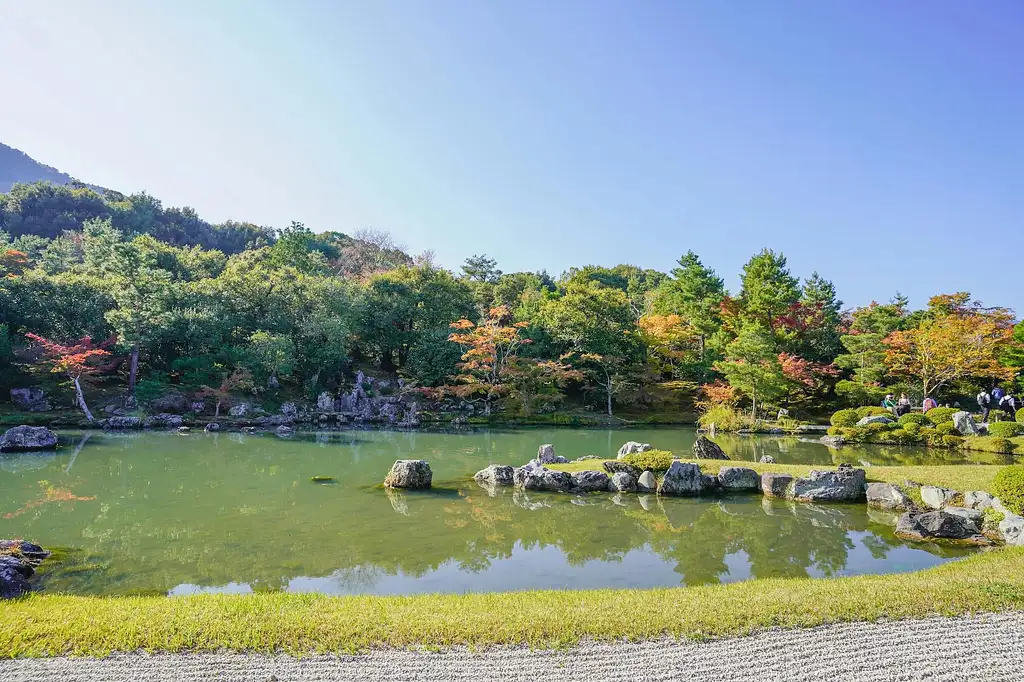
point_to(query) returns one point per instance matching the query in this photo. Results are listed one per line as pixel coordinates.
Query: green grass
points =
(963, 477)
(48, 625)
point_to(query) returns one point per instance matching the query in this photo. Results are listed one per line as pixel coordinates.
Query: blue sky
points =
(879, 143)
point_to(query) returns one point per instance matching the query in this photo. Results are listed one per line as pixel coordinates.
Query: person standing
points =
(985, 403)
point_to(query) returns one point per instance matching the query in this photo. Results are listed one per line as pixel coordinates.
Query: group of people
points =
(997, 399)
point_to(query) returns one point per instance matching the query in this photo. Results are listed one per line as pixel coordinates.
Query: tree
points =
(238, 380)
(695, 293)
(864, 358)
(958, 339)
(595, 325)
(752, 365)
(768, 292)
(532, 381)
(76, 361)
(272, 354)
(819, 341)
(480, 268)
(488, 348)
(670, 341)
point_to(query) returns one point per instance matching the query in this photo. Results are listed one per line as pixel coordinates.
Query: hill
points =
(17, 166)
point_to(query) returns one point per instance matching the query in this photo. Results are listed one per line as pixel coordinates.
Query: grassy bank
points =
(47, 625)
(961, 477)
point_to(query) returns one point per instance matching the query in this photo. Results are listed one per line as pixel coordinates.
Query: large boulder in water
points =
(121, 423)
(683, 479)
(622, 483)
(22, 438)
(776, 484)
(542, 478)
(738, 479)
(845, 484)
(18, 560)
(30, 400)
(632, 447)
(964, 423)
(705, 448)
(646, 483)
(495, 475)
(590, 481)
(409, 473)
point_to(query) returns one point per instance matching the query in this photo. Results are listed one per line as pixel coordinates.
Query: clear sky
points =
(880, 143)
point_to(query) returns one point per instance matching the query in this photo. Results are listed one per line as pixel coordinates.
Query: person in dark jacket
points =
(985, 403)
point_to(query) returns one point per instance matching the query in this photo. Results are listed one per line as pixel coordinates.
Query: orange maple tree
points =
(76, 361)
(488, 348)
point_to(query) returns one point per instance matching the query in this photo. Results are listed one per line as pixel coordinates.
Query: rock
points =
(275, 420)
(172, 402)
(184, 429)
(29, 552)
(409, 473)
(240, 410)
(164, 419)
(584, 458)
(711, 483)
(776, 485)
(212, 427)
(737, 479)
(935, 524)
(622, 483)
(561, 460)
(964, 423)
(12, 583)
(121, 423)
(682, 479)
(974, 515)
(197, 407)
(30, 400)
(704, 448)
(285, 431)
(495, 474)
(541, 478)
(888, 497)
(22, 438)
(978, 499)
(1011, 528)
(767, 459)
(18, 560)
(289, 409)
(614, 466)
(875, 419)
(646, 483)
(845, 484)
(936, 497)
(16, 564)
(632, 447)
(325, 402)
(590, 481)
(832, 441)
(546, 454)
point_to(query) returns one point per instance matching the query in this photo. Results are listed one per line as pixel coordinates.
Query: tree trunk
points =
(753, 407)
(81, 401)
(133, 370)
(216, 411)
(608, 391)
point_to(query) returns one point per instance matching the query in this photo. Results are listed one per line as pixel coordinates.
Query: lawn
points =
(48, 625)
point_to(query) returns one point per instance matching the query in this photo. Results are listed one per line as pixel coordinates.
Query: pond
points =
(175, 514)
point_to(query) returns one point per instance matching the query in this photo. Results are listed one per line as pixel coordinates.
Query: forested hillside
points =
(168, 299)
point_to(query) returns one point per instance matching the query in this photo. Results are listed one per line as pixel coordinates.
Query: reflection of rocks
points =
(704, 448)
(26, 461)
(23, 438)
(409, 473)
(212, 427)
(521, 499)
(886, 496)
(397, 500)
(648, 502)
(882, 517)
(632, 447)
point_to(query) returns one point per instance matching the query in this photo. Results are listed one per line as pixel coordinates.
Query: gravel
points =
(979, 649)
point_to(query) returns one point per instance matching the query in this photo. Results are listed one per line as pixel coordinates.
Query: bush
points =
(913, 418)
(724, 418)
(871, 411)
(904, 437)
(911, 427)
(1020, 416)
(848, 417)
(946, 428)
(1008, 486)
(878, 427)
(655, 460)
(941, 415)
(990, 444)
(1005, 429)
(952, 441)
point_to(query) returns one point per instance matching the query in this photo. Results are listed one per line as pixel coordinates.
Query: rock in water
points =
(646, 483)
(12, 583)
(682, 479)
(936, 497)
(409, 473)
(875, 419)
(546, 454)
(737, 479)
(212, 427)
(121, 423)
(622, 483)
(540, 478)
(776, 485)
(887, 497)
(284, 431)
(18, 560)
(767, 459)
(30, 400)
(704, 448)
(614, 466)
(590, 481)
(22, 438)
(935, 524)
(845, 484)
(632, 447)
(965, 424)
(495, 474)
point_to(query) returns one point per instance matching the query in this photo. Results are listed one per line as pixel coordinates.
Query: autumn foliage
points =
(77, 360)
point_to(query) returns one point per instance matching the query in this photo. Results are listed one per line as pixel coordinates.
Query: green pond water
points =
(176, 514)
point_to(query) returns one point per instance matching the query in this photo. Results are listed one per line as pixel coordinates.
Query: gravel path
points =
(978, 649)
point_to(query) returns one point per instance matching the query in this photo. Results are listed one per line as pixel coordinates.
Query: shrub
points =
(724, 418)
(941, 415)
(1006, 429)
(1020, 416)
(913, 418)
(655, 460)
(1008, 486)
(878, 427)
(871, 411)
(912, 428)
(903, 437)
(848, 417)
(952, 441)
(991, 444)
(946, 428)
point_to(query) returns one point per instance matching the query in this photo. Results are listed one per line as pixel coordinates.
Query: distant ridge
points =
(17, 166)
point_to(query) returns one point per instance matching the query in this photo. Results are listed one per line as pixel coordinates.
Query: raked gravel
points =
(975, 649)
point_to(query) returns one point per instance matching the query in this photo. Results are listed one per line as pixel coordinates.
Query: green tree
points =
(695, 293)
(864, 356)
(753, 366)
(819, 339)
(768, 290)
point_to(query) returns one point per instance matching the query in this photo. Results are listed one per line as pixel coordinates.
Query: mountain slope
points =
(17, 166)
